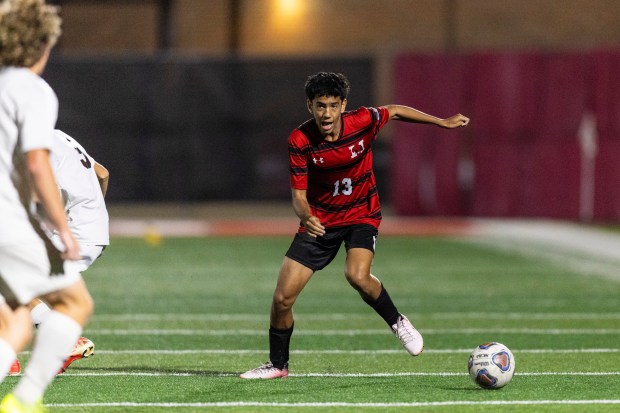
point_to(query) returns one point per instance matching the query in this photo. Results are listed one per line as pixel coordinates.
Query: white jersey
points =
(80, 189)
(28, 112)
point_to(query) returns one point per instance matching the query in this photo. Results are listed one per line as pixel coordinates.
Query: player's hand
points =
(313, 227)
(456, 121)
(72, 249)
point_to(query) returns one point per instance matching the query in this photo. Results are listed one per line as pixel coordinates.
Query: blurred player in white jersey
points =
(30, 266)
(83, 183)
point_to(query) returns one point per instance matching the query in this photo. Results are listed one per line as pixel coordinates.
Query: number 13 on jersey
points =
(344, 187)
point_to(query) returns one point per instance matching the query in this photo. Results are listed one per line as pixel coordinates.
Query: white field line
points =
(352, 352)
(343, 316)
(361, 352)
(350, 332)
(345, 404)
(335, 375)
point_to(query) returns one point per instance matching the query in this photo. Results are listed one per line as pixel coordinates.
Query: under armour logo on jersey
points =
(359, 147)
(320, 160)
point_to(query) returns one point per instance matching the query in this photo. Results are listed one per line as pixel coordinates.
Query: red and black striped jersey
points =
(338, 176)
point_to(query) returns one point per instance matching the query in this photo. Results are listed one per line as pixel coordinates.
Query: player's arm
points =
(46, 191)
(302, 209)
(408, 114)
(103, 175)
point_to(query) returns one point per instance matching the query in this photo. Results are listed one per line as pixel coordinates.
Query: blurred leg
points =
(71, 308)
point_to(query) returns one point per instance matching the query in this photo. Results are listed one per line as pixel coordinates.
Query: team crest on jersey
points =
(356, 149)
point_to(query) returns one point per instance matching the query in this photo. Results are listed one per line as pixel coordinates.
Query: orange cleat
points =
(15, 369)
(83, 348)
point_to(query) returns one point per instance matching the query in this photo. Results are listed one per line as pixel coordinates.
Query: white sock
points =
(54, 341)
(39, 313)
(7, 357)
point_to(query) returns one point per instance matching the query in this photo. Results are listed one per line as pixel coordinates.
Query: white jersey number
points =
(347, 187)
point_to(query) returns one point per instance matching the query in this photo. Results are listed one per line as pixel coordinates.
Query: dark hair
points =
(327, 84)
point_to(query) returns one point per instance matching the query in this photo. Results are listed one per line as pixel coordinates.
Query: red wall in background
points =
(523, 152)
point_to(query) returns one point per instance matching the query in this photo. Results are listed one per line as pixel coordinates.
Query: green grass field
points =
(175, 324)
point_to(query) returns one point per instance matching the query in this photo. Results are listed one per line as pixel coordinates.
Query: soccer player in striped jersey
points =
(335, 196)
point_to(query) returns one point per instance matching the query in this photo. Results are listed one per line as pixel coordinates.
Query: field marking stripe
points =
(352, 332)
(344, 316)
(341, 404)
(387, 374)
(369, 351)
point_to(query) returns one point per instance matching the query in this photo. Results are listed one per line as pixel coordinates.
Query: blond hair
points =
(27, 29)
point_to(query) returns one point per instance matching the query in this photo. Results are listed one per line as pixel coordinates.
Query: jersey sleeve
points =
(298, 165)
(38, 118)
(380, 116)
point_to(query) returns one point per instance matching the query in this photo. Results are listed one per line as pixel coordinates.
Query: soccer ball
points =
(491, 365)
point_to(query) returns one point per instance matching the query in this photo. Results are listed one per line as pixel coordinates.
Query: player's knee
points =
(358, 279)
(281, 302)
(74, 301)
(80, 307)
(80, 299)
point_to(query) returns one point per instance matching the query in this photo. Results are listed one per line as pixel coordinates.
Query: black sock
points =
(384, 306)
(278, 346)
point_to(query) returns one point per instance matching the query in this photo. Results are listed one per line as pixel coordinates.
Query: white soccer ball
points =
(491, 365)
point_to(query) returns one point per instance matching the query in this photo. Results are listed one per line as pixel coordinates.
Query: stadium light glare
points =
(288, 8)
(286, 14)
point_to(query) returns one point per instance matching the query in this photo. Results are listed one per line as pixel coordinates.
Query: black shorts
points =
(317, 253)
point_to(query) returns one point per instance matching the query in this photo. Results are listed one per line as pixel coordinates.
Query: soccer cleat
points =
(83, 348)
(408, 336)
(15, 369)
(11, 404)
(266, 371)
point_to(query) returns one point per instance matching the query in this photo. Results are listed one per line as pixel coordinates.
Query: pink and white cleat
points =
(266, 371)
(408, 336)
